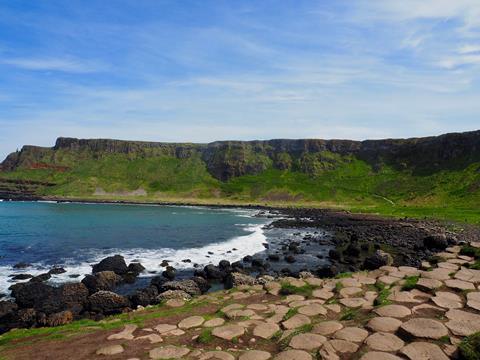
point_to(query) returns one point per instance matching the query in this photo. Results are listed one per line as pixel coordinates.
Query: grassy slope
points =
(331, 181)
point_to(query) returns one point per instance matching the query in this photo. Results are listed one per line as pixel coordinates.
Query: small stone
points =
(307, 341)
(424, 328)
(335, 308)
(214, 322)
(447, 265)
(175, 303)
(110, 350)
(350, 291)
(327, 327)
(153, 338)
(377, 355)
(163, 328)
(228, 332)
(437, 274)
(255, 355)
(423, 351)
(169, 352)
(447, 300)
(459, 284)
(396, 311)
(266, 330)
(428, 284)
(125, 334)
(384, 342)
(354, 334)
(216, 355)
(353, 302)
(296, 321)
(384, 324)
(473, 300)
(293, 355)
(312, 310)
(387, 280)
(462, 323)
(343, 346)
(323, 294)
(191, 322)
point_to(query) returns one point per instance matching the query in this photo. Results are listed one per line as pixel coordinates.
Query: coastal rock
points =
(202, 284)
(60, 318)
(169, 273)
(188, 286)
(377, 260)
(135, 268)
(173, 294)
(435, 242)
(235, 279)
(144, 297)
(114, 263)
(73, 297)
(107, 302)
(103, 280)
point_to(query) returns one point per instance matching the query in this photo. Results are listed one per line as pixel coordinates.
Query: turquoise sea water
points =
(75, 236)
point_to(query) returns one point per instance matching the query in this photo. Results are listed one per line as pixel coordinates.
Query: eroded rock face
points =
(104, 280)
(107, 302)
(235, 279)
(188, 286)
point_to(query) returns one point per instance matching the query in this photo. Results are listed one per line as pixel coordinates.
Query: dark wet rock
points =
(41, 277)
(258, 263)
(334, 254)
(169, 273)
(202, 284)
(74, 276)
(21, 265)
(290, 259)
(200, 273)
(213, 272)
(26, 317)
(187, 261)
(37, 295)
(352, 250)
(237, 265)
(173, 294)
(273, 257)
(224, 264)
(135, 268)
(247, 258)
(103, 280)
(158, 281)
(60, 318)
(188, 286)
(21, 277)
(379, 259)
(73, 296)
(7, 307)
(144, 297)
(437, 241)
(114, 263)
(164, 263)
(327, 271)
(107, 302)
(57, 271)
(235, 279)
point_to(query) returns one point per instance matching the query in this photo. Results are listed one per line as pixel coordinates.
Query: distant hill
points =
(437, 172)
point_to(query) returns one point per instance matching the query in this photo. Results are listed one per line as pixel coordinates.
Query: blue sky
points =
(214, 70)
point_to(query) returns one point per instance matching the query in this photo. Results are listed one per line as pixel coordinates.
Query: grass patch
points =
(344, 275)
(302, 329)
(288, 289)
(382, 298)
(205, 336)
(410, 283)
(338, 287)
(290, 313)
(470, 251)
(470, 347)
(349, 314)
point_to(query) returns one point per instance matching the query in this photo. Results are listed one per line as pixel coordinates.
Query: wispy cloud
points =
(54, 64)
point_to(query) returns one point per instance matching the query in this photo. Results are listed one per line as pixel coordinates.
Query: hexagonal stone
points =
(266, 330)
(387, 280)
(447, 265)
(343, 346)
(214, 322)
(462, 323)
(384, 342)
(255, 355)
(424, 328)
(459, 284)
(312, 310)
(257, 307)
(350, 282)
(447, 300)
(294, 297)
(191, 322)
(296, 321)
(423, 351)
(164, 328)
(395, 311)
(353, 302)
(473, 300)
(231, 307)
(354, 334)
(428, 284)
(384, 324)
(327, 327)
(293, 355)
(307, 341)
(470, 275)
(228, 332)
(323, 294)
(110, 350)
(168, 352)
(377, 355)
(125, 334)
(239, 313)
(437, 274)
(216, 355)
(335, 308)
(350, 291)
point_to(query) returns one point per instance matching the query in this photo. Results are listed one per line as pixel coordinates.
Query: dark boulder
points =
(135, 268)
(202, 284)
(334, 254)
(41, 277)
(169, 273)
(258, 263)
(158, 281)
(114, 263)
(247, 258)
(273, 257)
(22, 277)
(73, 297)
(213, 272)
(103, 280)
(57, 271)
(108, 303)
(377, 260)
(188, 286)
(436, 242)
(21, 265)
(224, 264)
(144, 297)
(60, 318)
(37, 295)
(290, 259)
(327, 271)
(236, 279)
(352, 250)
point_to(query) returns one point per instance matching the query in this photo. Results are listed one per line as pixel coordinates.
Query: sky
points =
(200, 71)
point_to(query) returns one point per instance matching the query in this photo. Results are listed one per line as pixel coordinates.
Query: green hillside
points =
(254, 175)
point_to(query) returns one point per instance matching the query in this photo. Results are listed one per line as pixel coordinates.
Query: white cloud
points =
(469, 48)
(53, 64)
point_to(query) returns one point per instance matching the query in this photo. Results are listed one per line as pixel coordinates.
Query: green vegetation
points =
(383, 294)
(290, 313)
(205, 336)
(349, 314)
(256, 176)
(410, 283)
(470, 347)
(305, 290)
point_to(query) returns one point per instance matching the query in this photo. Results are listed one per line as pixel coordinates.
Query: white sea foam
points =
(151, 258)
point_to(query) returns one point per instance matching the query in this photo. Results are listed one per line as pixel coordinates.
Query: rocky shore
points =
(355, 242)
(391, 313)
